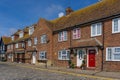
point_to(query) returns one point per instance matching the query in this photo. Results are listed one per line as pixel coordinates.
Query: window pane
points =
(78, 33)
(43, 38)
(117, 49)
(116, 56)
(74, 34)
(68, 54)
(35, 40)
(115, 25)
(99, 28)
(59, 55)
(109, 56)
(65, 35)
(29, 42)
(42, 55)
(93, 30)
(59, 36)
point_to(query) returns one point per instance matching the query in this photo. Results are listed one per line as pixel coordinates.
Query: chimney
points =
(68, 10)
(100, 0)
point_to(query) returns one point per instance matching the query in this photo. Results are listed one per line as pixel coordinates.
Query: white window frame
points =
(62, 36)
(43, 38)
(23, 45)
(29, 43)
(16, 45)
(61, 55)
(112, 53)
(12, 37)
(31, 30)
(76, 32)
(96, 29)
(8, 47)
(35, 41)
(113, 25)
(42, 55)
(21, 34)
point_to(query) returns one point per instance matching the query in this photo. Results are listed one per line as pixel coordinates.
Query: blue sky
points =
(16, 14)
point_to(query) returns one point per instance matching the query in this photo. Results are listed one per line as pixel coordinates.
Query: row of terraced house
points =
(88, 38)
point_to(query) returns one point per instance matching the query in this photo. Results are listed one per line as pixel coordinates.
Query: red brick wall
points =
(42, 29)
(111, 40)
(57, 46)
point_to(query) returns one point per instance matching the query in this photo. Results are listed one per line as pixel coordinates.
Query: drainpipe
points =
(70, 47)
(102, 48)
(70, 39)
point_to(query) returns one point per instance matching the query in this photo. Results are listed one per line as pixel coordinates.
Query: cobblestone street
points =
(11, 72)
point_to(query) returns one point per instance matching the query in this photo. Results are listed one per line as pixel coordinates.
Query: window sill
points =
(63, 59)
(63, 41)
(112, 60)
(44, 43)
(115, 32)
(96, 35)
(77, 39)
(43, 59)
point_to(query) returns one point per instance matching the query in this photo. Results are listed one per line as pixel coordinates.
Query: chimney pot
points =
(68, 10)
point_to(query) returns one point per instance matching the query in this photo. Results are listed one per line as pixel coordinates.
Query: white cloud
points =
(61, 14)
(54, 9)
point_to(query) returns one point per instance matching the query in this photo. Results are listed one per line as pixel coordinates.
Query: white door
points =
(80, 57)
(12, 57)
(34, 57)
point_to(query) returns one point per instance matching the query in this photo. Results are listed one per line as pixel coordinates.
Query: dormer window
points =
(31, 30)
(21, 34)
(12, 38)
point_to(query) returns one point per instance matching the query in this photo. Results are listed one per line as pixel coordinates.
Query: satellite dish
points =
(60, 14)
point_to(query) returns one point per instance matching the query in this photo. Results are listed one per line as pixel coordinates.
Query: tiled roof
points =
(26, 36)
(26, 29)
(6, 40)
(23, 38)
(96, 11)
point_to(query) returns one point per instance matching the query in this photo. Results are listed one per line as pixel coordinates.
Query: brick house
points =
(89, 35)
(42, 42)
(87, 38)
(18, 46)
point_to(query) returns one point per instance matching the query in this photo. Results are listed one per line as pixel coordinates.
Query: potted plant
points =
(83, 65)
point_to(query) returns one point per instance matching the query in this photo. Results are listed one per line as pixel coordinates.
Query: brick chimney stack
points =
(68, 10)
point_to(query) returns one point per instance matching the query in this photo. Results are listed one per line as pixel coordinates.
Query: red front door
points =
(91, 59)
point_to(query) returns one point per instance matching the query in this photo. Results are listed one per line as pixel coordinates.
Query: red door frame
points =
(91, 57)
